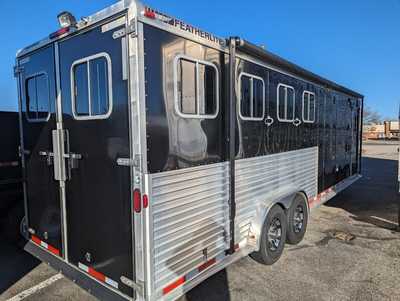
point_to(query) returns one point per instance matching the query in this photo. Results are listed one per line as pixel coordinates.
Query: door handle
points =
(73, 156)
(49, 156)
(73, 160)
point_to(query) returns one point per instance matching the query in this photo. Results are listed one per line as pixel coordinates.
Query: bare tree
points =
(371, 117)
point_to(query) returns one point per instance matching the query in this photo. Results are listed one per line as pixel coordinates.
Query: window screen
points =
(286, 103)
(91, 87)
(37, 97)
(252, 97)
(308, 107)
(196, 88)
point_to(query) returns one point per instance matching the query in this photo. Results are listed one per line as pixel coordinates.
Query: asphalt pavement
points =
(325, 266)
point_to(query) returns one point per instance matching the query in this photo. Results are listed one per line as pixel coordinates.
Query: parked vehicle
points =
(11, 192)
(156, 153)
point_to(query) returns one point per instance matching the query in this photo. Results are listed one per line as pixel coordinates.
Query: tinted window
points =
(196, 88)
(308, 106)
(81, 90)
(252, 100)
(37, 97)
(207, 80)
(92, 88)
(286, 100)
(99, 86)
(282, 102)
(258, 98)
(187, 83)
(245, 101)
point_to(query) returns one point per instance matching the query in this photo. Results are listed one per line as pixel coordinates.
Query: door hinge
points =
(129, 30)
(138, 286)
(18, 70)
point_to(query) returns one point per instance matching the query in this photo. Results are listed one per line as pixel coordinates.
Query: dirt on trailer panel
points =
(351, 252)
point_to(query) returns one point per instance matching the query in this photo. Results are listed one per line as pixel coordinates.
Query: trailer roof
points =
(263, 54)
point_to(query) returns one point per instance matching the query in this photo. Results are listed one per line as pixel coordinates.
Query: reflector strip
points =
(191, 274)
(207, 264)
(173, 285)
(41, 243)
(97, 275)
(319, 197)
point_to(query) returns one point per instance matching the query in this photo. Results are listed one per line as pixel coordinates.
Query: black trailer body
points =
(155, 152)
(11, 191)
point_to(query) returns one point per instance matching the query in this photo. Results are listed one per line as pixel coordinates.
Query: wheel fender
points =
(284, 199)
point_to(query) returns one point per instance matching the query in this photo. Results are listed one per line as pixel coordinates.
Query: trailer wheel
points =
(297, 220)
(273, 237)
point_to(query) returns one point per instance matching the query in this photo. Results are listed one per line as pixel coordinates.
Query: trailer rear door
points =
(38, 118)
(96, 122)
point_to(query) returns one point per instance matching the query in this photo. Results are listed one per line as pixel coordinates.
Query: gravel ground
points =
(322, 267)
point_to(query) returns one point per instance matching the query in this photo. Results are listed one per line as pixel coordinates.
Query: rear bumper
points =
(91, 285)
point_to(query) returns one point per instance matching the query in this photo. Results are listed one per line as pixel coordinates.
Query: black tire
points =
(270, 249)
(297, 219)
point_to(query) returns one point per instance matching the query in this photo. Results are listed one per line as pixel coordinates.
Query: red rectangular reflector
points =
(97, 275)
(206, 264)
(145, 201)
(53, 250)
(137, 206)
(36, 239)
(173, 285)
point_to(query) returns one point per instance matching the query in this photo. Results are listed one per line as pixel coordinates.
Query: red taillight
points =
(145, 201)
(137, 201)
(59, 32)
(149, 14)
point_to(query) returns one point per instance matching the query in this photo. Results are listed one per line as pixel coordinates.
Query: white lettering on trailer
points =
(36, 288)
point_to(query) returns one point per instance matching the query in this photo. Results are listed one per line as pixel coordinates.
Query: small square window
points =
(308, 107)
(286, 103)
(91, 87)
(196, 88)
(252, 97)
(37, 97)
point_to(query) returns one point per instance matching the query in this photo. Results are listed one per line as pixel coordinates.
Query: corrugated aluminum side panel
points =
(260, 178)
(190, 218)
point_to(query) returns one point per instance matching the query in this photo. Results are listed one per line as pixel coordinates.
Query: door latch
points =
(49, 156)
(73, 159)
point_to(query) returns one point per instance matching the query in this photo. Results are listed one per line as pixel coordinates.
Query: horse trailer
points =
(155, 154)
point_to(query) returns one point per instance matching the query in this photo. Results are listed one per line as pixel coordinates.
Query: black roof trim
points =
(263, 54)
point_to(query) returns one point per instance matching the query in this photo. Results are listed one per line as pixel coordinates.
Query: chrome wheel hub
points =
(298, 219)
(274, 234)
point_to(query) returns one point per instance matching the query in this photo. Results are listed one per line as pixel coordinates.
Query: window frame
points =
(277, 102)
(34, 75)
(110, 92)
(302, 107)
(176, 88)
(251, 76)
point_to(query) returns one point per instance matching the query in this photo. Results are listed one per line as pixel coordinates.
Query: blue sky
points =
(355, 43)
